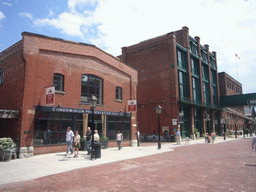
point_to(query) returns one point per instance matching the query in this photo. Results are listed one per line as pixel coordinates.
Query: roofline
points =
(75, 42)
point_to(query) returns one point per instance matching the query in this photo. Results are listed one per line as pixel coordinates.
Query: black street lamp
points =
(93, 103)
(224, 126)
(159, 111)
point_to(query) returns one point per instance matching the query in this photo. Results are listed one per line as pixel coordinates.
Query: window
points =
(204, 56)
(119, 93)
(194, 66)
(214, 95)
(91, 85)
(196, 89)
(183, 84)
(1, 76)
(205, 72)
(58, 82)
(193, 48)
(206, 93)
(214, 78)
(213, 63)
(181, 55)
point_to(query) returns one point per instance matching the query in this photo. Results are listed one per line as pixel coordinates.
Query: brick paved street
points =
(229, 166)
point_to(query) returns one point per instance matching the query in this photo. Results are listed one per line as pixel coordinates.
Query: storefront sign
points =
(83, 111)
(251, 101)
(50, 95)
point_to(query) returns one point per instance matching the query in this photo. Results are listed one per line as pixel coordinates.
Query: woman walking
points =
(76, 144)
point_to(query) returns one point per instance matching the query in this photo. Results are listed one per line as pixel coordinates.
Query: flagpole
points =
(236, 68)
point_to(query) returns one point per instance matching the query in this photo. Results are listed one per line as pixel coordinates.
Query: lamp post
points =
(93, 103)
(158, 111)
(224, 126)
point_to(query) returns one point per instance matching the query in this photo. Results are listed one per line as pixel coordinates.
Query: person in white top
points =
(96, 136)
(119, 138)
(77, 144)
(69, 139)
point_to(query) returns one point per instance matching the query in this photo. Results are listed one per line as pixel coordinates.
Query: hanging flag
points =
(237, 56)
(50, 95)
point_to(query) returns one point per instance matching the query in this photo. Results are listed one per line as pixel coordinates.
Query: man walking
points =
(88, 140)
(178, 136)
(69, 139)
(254, 142)
(138, 137)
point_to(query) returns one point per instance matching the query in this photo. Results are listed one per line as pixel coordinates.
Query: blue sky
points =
(227, 26)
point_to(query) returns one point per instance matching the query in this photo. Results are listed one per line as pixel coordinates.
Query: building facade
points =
(180, 74)
(77, 71)
(234, 116)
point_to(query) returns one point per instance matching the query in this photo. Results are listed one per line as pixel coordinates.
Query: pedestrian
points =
(138, 137)
(119, 138)
(187, 138)
(69, 139)
(213, 135)
(254, 142)
(178, 136)
(96, 136)
(208, 138)
(88, 140)
(76, 143)
(154, 136)
(205, 138)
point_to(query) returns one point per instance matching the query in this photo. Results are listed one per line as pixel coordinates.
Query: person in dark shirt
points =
(88, 140)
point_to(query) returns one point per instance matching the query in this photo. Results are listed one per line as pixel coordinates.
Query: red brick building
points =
(234, 115)
(180, 74)
(77, 71)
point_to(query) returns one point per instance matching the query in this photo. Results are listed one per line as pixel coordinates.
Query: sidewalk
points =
(48, 164)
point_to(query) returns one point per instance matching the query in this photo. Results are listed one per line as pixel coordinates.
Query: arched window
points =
(91, 85)
(58, 81)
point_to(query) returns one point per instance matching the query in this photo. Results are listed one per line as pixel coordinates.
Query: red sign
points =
(50, 95)
(132, 106)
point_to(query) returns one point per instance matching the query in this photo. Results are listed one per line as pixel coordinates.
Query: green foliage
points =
(83, 139)
(103, 139)
(7, 143)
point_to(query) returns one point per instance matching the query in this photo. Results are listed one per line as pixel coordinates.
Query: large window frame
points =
(91, 85)
(183, 85)
(58, 81)
(181, 59)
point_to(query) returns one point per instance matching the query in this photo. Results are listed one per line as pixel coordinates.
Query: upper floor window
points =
(181, 59)
(1, 76)
(213, 62)
(193, 48)
(194, 66)
(91, 85)
(204, 56)
(205, 72)
(58, 82)
(119, 93)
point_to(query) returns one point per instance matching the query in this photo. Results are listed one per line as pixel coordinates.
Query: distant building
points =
(77, 71)
(181, 75)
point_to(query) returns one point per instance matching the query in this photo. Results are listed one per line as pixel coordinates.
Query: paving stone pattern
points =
(229, 166)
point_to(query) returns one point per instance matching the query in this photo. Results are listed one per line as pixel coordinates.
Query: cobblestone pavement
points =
(229, 166)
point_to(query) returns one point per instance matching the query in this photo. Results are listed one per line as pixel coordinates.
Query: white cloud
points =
(74, 3)
(51, 13)
(5, 3)
(29, 15)
(2, 16)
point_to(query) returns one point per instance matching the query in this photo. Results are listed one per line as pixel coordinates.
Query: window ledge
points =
(60, 92)
(119, 101)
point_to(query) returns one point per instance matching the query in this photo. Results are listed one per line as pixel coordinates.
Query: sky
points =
(227, 26)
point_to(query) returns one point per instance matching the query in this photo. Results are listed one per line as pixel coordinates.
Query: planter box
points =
(6, 155)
